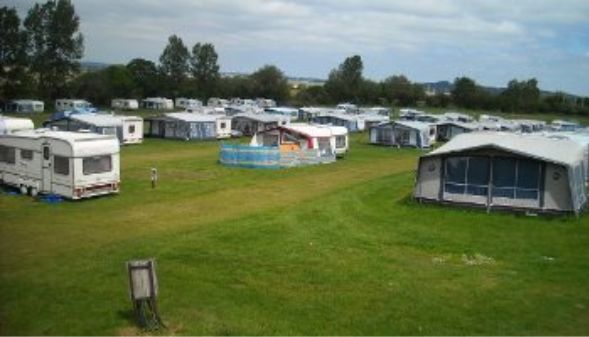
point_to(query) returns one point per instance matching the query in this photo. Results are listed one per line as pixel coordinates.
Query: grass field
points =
(336, 249)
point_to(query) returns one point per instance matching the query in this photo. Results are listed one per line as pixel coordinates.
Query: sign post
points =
(153, 177)
(143, 290)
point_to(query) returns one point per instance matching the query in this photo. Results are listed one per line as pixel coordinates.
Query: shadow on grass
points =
(128, 316)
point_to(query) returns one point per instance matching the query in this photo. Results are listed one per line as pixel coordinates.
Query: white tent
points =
(505, 170)
(402, 133)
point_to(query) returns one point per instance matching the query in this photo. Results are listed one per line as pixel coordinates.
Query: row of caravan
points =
(175, 125)
(150, 103)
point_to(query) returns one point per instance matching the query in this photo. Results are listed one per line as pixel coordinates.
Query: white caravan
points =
(124, 104)
(132, 129)
(70, 164)
(339, 139)
(128, 129)
(217, 102)
(158, 103)
(188, 103)
(10, 125)
(71, 104)
(25, 106)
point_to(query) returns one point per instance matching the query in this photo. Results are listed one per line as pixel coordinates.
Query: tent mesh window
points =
(270, 140)
(466, 175)
(516, 178)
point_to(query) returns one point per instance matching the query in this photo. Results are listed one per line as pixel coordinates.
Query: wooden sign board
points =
(142, 279)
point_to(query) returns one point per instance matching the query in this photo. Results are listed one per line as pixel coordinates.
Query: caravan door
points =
(325, 149)
(46, 169)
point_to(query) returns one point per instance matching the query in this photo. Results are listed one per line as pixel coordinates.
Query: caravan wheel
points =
(34, 192)
(23, 189)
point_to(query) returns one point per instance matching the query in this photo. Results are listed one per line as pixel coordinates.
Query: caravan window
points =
(109, 131)
(97, 164)
(61, 165)
(26, 154)
(7, 155)
(131, 128)
(223, 125)
(340, 141)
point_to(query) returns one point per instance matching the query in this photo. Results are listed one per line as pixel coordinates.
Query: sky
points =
(491, 41)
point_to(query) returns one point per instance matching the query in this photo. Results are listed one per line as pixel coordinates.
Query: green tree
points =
(119, 81)
(174, 62)
(344, 83)
(55, 45)
(439, 100)
(145, 77)
(270, 82)
(557, 103)
(401, 92)
(235, 86)
(102, 86)
(465, 93)
(370, 92)
(13, 79)
(93, 87)
(205, 69)
(312, 95)
(521, 96)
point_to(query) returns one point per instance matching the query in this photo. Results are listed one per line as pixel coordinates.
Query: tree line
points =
(180, 73)
(518, 97)
(40, 57)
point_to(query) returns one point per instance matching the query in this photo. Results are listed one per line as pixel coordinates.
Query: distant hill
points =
(93, 66)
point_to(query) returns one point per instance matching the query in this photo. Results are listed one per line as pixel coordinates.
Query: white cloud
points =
(486, 38)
